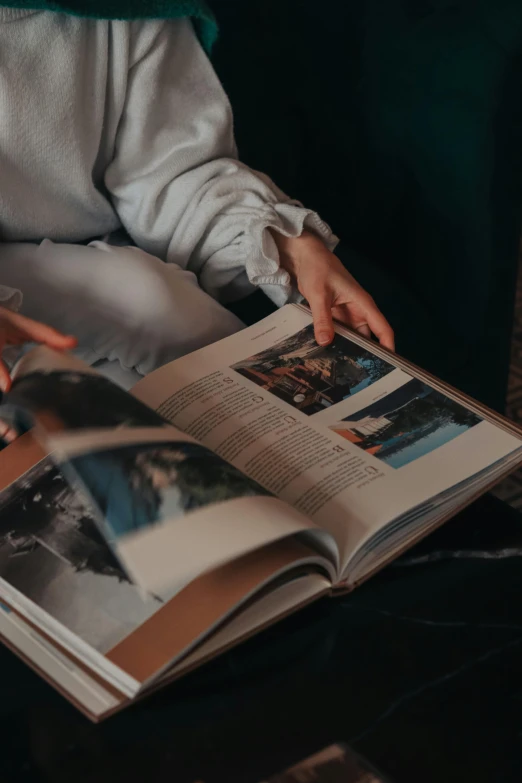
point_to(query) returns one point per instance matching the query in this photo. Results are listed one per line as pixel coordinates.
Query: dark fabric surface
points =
(419, 670)
(511, 489)
(401, 122)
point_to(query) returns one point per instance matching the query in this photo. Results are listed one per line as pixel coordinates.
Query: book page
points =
(58, 572)
(169, 508)
(341, 434)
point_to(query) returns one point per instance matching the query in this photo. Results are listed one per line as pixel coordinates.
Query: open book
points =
(141, 534)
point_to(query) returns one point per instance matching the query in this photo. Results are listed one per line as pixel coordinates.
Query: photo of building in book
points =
(137, 486)
(311, 377)
(406, 424)
(52, 552)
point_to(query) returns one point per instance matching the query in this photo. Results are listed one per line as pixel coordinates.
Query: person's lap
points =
(131, 312)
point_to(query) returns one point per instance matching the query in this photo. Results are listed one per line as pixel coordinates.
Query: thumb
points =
(322, 315)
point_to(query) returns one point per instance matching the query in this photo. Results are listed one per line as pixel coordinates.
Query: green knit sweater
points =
(202, 16)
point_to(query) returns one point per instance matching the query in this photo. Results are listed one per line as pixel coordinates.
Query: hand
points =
(16, 329)
(7, 432)
(330, 290)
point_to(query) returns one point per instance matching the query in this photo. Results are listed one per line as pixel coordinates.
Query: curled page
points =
(169, 508)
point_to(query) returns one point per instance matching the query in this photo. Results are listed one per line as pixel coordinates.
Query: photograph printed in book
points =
(71, 400)
(311, 377)
(52, 552)
(140, 485)
(406, 424)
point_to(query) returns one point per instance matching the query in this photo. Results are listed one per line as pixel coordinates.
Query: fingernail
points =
(323, 338)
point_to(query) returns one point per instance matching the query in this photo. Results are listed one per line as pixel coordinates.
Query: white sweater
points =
(110, 125)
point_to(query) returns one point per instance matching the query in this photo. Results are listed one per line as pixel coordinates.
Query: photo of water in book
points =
(406, 424)
(140, 485)
(51, 551)
(311, 377)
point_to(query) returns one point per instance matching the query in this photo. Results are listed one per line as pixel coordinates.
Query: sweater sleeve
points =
(175, 180)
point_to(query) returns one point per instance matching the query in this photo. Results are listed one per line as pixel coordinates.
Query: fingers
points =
(367, 321)
(364, 330)
(5, 376)
(61, 342)
(322, 315)
(361, 312)
(7, 433)
(381, 328)
(16, 329)
(22, 329)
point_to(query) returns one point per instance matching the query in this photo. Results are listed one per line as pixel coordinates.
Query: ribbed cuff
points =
(263, 268)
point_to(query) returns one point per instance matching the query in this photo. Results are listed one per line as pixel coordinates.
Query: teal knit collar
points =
(202, 16)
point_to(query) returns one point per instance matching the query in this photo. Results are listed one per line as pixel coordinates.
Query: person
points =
(128, 221)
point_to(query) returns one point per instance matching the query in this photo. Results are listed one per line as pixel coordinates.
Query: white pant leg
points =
(117, 374)
(121, 303)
